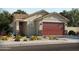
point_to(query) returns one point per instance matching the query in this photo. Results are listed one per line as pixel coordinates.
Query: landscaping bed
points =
(14, 41)
(24, 38)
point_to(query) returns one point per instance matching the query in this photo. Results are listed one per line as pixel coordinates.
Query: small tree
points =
(5, 20)
(73, 16)
(19, 12)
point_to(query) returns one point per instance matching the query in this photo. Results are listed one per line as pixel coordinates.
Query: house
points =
(40, 23)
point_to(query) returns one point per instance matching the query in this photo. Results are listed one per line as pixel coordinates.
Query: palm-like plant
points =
(73, 16)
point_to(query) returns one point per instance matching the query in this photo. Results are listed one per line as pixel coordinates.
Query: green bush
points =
(71, 32)
(25, 40)
(18, 37)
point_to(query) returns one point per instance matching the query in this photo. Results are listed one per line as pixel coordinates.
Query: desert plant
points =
(34, 38)
(55, 38)
(17, 38)
(4, 38)
(52, 37)
(25, 40)
(9, 35)
(38, 38)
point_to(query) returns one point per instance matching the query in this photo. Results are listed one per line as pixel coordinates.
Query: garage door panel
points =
(53, 28)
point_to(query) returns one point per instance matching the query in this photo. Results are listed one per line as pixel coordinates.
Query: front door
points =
(22, 28)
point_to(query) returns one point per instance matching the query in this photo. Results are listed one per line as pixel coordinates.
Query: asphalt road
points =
(49, 47)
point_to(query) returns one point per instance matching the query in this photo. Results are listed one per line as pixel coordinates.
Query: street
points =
(49, 47)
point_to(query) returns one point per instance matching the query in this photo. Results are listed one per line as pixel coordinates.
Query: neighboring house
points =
(40, 23)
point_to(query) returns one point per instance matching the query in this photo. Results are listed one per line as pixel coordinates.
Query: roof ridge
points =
(38, 12)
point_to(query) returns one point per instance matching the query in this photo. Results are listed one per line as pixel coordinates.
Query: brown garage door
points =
(51, 28)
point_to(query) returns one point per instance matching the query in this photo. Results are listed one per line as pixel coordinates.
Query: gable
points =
(33, 17)
(52, 19)
(55, 17)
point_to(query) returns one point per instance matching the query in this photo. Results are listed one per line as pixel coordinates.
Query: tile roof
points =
(20, 16)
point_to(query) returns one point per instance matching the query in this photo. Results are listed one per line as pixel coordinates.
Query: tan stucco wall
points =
(76, 29)
(31, 25)
(51, 19)
(15, 26)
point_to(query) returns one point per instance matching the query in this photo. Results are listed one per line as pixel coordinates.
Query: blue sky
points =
(32, 10)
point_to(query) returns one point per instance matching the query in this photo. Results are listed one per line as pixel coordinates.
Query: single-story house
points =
(40, 23)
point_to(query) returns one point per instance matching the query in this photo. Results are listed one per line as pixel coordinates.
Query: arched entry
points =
(22, 28)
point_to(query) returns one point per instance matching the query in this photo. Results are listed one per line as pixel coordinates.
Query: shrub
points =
(38, 38)
(17, 38)
(4, 38)
(34, 38)
(52, 37)
(55, 38)
(9, 35)
(71, 32)
(25, 40)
